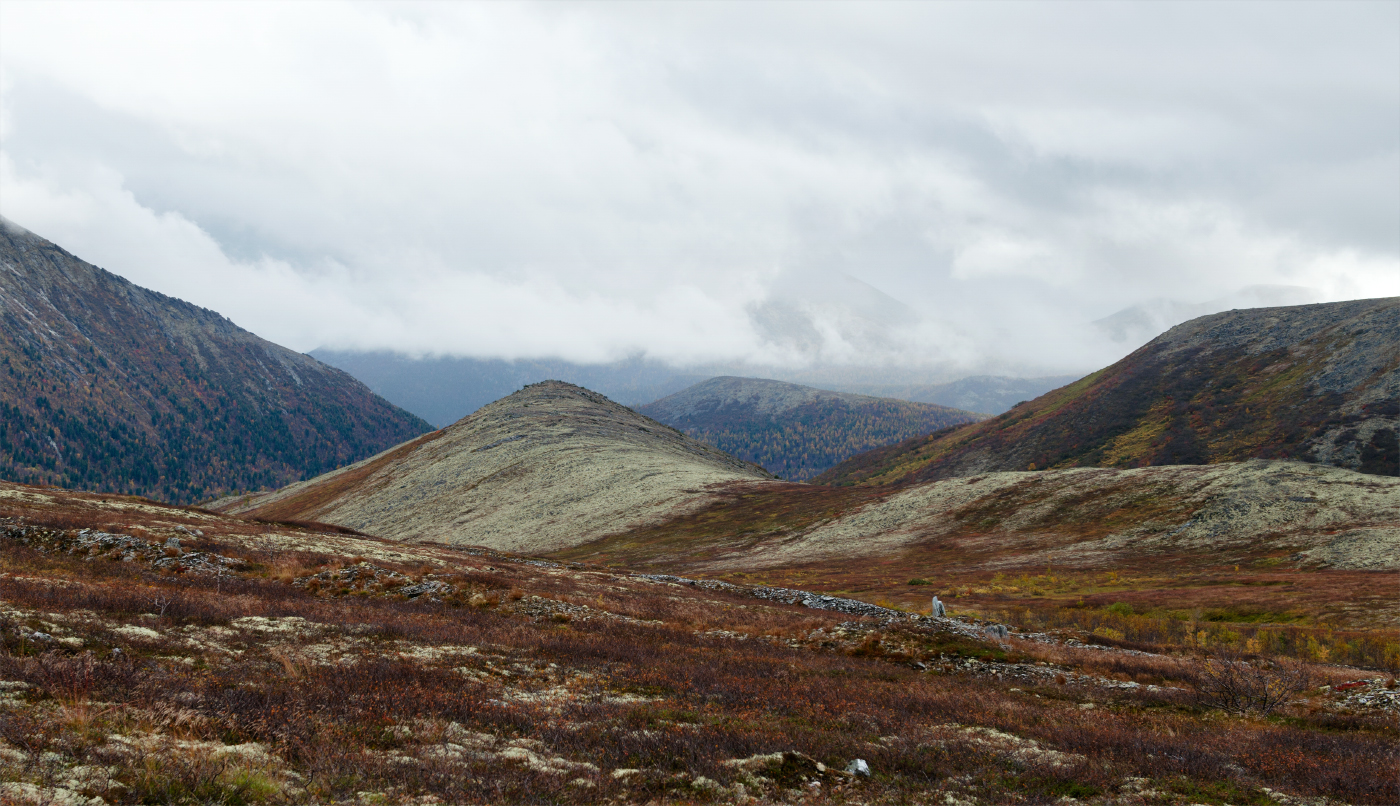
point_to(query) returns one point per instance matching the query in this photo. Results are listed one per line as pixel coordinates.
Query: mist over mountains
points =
(442, 390)
(399, 578)
(1140, 323)
(815, 403)
(821, 324)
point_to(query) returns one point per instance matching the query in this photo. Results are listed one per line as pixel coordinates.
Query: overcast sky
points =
(686, 181)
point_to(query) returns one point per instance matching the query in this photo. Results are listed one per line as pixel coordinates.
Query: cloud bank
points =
(907, 184)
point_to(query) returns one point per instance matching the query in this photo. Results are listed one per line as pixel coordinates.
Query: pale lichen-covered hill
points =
(551, 466)
(1260, 511)
(1094, 517)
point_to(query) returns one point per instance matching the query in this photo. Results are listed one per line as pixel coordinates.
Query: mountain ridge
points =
(116, 387)
(1312, 382)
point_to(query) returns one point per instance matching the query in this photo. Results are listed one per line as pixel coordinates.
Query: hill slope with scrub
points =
(1315, 383)
(109, 386)
(795, 431)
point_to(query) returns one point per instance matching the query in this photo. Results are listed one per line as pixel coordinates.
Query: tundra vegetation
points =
(153, 654)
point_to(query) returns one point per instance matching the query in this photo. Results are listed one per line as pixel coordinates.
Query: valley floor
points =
(164, 655)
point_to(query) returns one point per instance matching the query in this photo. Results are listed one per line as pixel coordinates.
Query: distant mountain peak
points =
(765, 395)
(795, 431)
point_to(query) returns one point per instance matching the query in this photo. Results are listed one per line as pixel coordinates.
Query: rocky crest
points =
(110, 386)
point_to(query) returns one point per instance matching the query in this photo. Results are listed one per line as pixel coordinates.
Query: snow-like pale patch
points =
(294, 625)
(45, 795)
(432, 654)
(11, 693)
(1023, 750)
(24, 496)
(133, 631)
(36, 498)
(454, 743)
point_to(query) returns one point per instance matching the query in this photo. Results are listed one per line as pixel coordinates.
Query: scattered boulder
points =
(858, 767)
(938, 610)
(426, 586)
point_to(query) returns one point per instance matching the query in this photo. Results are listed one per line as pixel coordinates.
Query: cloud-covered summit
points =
(684, 181)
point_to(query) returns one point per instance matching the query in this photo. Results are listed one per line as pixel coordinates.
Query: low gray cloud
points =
(710, 182)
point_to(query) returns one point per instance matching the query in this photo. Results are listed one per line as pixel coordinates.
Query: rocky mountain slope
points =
(1317, 383)
(110, 386)
(795, 431)
(550, 466)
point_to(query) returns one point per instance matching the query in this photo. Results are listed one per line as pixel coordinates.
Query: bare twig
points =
(1229, 682)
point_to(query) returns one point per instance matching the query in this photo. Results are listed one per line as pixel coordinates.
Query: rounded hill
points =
(796, 431)
(1316, 383)
(550, 466)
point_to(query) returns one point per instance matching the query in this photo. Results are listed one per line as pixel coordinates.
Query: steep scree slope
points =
(1317, 383)
(551, 466)
(105, 385)
(795, 431)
